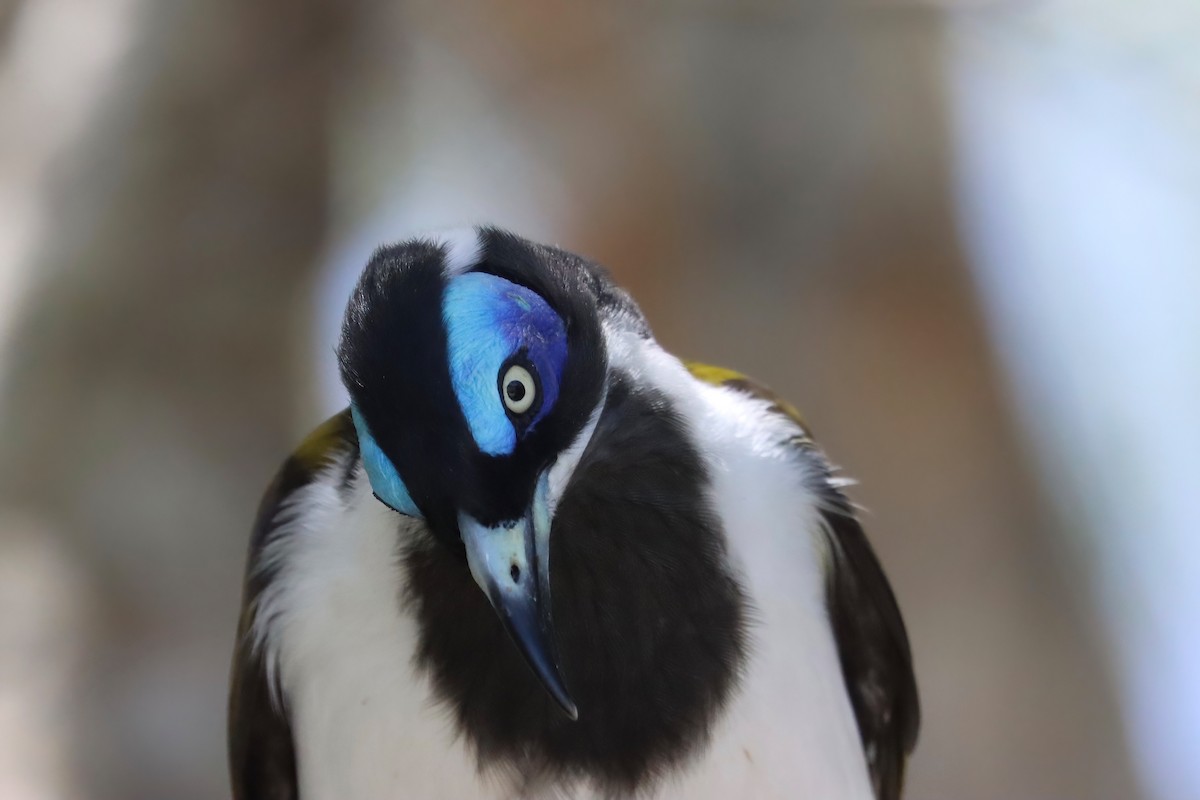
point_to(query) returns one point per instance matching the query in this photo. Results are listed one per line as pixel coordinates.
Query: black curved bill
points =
(510, 562)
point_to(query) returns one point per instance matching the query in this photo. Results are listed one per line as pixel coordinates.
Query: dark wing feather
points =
(873, 646)
(262, 755)
(868, 628)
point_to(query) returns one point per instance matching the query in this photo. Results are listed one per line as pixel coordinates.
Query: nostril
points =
(515, 572)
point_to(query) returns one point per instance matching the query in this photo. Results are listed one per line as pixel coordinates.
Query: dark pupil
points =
(515, 391)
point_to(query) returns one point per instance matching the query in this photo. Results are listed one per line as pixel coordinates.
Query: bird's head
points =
(476, 367)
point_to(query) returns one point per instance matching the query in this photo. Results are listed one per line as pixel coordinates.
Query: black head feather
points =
(395, 364)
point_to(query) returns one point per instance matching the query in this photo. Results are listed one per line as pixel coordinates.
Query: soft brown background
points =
(771, 180)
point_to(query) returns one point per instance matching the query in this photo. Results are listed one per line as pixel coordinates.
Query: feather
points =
(871, 638)
(262, 756)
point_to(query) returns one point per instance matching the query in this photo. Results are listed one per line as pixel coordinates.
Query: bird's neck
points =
(651, 622)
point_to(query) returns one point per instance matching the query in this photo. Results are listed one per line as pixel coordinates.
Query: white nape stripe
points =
(463, 248)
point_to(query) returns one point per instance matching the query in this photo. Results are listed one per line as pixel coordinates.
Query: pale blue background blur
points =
(963, 236)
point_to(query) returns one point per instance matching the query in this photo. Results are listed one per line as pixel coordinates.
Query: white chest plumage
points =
(367, 725)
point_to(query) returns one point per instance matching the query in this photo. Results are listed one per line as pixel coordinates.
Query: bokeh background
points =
(963, 236)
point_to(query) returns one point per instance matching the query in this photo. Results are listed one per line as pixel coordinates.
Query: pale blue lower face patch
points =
(385, 480)
(488, 319)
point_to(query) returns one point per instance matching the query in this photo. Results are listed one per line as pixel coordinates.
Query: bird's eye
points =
(518, 389)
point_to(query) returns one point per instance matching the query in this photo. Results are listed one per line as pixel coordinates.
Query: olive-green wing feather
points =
(262, 754)
(719, 376)
(868, 628)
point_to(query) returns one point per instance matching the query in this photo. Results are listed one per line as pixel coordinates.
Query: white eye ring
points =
(518, 389)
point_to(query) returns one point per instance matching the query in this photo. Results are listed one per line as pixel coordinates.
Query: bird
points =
(538, 556)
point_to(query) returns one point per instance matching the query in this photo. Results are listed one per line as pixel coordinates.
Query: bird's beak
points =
(511, 563)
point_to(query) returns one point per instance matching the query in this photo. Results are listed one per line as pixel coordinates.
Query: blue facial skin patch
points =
(488, 320)
(385, 480)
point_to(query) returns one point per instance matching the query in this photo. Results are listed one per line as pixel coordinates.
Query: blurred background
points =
(963, 236)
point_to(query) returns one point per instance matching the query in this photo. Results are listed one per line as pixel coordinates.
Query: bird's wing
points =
(719, 376)
(871, 640)
(262, 756)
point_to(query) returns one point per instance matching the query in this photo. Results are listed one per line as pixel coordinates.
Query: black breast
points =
(651, 623)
